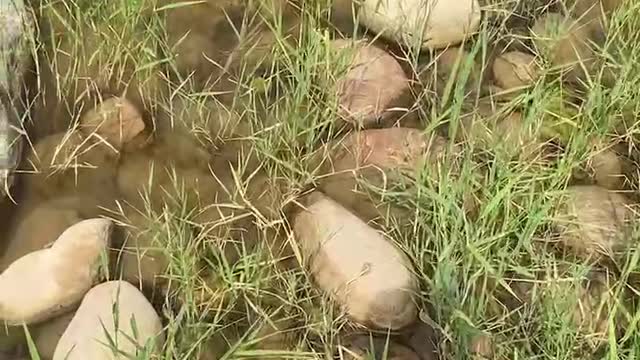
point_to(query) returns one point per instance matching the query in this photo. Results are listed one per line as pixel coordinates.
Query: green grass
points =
(469, 264)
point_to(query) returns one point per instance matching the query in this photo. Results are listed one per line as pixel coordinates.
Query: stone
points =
(114, 120)
(46, 283)
(35, 225)
(114, 312)
(361, 167)
(482, 346)
(515, 70)
(593, 222)
(141, 259)
(449, 66)
(68, 164)
(363, 271)
(38, 228)
(564, 42)
(432, 24)
(372, 89)
(606, 167)
(46, 335)
(361, 347)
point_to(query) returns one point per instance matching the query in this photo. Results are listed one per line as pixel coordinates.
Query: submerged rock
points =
(566, 45)
(47, 334)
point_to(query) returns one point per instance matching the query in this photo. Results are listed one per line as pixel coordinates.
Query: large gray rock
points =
(15, 45)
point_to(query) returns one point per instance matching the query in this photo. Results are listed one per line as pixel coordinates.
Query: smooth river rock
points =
(433, 24)
(373, 87)
(365, 273)
(107, 307)
(46, 283)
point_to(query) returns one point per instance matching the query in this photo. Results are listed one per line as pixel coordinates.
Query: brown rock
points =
(606, 167)
(38, 228)
(565, 43)
(115, 120)
(376, 158)
(70, 165)
(46, 335)
(365, 273)
(593, 222)
(373, 87)
(514, 70)
(361, 347)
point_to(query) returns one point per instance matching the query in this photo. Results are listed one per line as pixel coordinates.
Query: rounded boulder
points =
(111, 313)
(433, 24)
(365, 273)
(48, 282)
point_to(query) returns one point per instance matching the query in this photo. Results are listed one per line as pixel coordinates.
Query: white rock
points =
(45, 283)
(364, 272)
(433, 23)
(85, 336)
